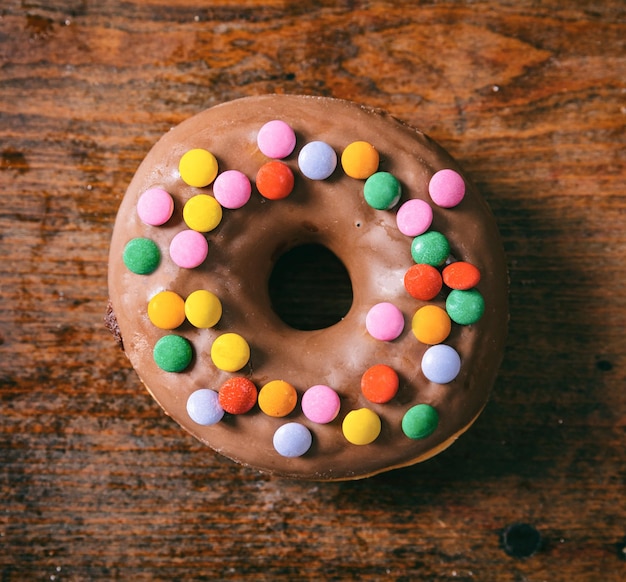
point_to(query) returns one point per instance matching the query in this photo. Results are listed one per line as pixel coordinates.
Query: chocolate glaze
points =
(246, 245)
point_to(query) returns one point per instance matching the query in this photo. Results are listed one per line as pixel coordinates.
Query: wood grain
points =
(97, 484)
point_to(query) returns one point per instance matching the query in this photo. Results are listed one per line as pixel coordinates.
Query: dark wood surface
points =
(97, 484)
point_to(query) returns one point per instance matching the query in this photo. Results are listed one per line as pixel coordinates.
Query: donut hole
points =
(310, 288)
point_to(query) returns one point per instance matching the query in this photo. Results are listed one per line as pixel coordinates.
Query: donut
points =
(213, 208)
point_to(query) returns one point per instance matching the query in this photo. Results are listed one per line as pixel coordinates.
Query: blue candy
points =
(203, 407)
(317, 160)
(441, 364)
(292, 439)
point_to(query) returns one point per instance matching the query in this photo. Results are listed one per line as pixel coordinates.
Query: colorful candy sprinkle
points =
(414, 217)
(166, 310)
(232, 189)
(202, 213)
(197, 168)
(230, 352)
(277, 398)
(292, 440)
(446, 188)
(203, 407)
(320, 404)
(172, 353)
(360, 160)
(379, 383)
(189, 249)
(274, 180)
(203, 309)
(431, 324)
(420, 421)
(237, 395)
(155, 206)
(465, 307)
(441, 364)
(431, 248)
(141, 256)
(361, 427)
(382, 191)
(276, 139)
(317, 160)
(461, 275)
(384, 322)
(423, 282)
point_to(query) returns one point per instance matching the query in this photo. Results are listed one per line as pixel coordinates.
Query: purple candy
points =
(317, 160)
(292, 439)
(441, 364)
(203, 407)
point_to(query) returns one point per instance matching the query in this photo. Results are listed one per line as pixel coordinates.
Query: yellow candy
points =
(202, 213)
(203, 309)
(431, 324)
(361, 427)
(359, 160)
(166, 310)
(198, 168)
(277, 398)
(230, 352)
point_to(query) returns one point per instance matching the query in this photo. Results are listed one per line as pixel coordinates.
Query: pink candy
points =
(414, 217)
(276, 139)
(155, 206)
(384, 322)
(320, 404)
(446, 188)
(232, 189)
(188, 249)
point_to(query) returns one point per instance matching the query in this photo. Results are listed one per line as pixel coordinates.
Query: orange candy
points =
(166, 310)
(431, 324)
(274, 180)
(423, 282)
(277, 398)
(461, 275)
(237, 395)
(379, 384)
(360, 160)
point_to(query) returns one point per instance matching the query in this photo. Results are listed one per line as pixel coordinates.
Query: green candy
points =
(420, 421)
(465, 307)
(172, 353)
(382, 190)
(431, 248)
(141, 256)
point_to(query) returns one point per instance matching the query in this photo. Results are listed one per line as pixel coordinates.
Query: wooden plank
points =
(96, 483)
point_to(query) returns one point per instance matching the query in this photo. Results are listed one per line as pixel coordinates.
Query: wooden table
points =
(98, 484)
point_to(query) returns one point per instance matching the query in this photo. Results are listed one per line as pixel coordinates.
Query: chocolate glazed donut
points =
(242, 252)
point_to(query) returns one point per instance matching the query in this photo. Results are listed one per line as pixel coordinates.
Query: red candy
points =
(461, 275)
(274, 180)
(237, 395)
(379, 384)
(423, 282)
